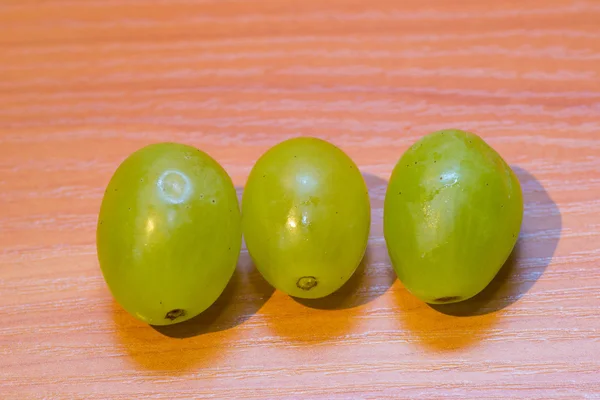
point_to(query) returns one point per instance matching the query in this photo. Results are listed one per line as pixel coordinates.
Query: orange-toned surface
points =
(84, 83)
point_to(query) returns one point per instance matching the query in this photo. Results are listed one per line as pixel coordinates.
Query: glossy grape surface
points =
(169, 233)
(452, 215)
(306, 217)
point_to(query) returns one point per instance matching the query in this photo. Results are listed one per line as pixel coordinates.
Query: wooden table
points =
(85, 83)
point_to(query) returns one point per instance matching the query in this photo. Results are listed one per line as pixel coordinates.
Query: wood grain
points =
(84, 83)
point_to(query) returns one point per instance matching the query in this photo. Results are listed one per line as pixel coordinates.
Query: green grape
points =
(169, 233)
(452, 215)
(306, 217)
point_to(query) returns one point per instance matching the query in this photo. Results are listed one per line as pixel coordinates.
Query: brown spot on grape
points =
(307, 282)
(447, 299)
(174, 314)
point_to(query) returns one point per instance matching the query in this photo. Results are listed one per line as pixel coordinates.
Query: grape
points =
(169, 233)
(306, 217)
(452, 215)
